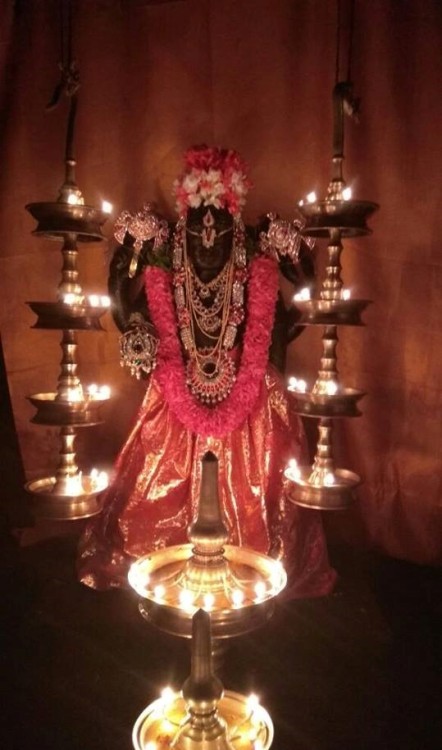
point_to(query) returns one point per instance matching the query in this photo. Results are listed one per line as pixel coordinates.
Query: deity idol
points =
(203, 319)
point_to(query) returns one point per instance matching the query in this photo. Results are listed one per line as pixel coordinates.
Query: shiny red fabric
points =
(155, 492)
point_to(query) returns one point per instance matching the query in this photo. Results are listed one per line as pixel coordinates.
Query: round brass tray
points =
(166, 568)
(158, 725)
(59, 316)
(338, 496)
(342, 404)
(331, 312)
(46, 504)
(51, 411)
(57, 219)
(348, 216)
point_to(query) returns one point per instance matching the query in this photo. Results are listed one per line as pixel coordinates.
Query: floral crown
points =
(212, 177)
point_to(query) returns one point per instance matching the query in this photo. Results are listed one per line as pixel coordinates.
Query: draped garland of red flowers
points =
(222, 419)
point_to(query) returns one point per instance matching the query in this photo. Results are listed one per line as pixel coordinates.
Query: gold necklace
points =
(200, 320)
(210, 370)
(207, 316)
(205, 288)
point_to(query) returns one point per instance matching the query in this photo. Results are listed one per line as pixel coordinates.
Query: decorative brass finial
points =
(208, 533)
(207, 568)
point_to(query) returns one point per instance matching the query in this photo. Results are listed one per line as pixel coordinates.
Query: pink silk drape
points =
(256, 76)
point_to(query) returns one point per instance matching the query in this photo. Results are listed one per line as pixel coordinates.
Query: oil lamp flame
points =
(167, 695)
(98, 300)
(298, 385)
(331, 387)
(277, 573)
(99, 480)
(73, 199)
(75, 395)
(346, 294)
(311, 197)
(209, 601)
(106, 207)
(98, 392)
(322, 477)
(237, 597)
(303, 295)
(186, 599)
(252, 702)
(139, 579)
(260, 590)
(347, 193)
(74, 484)
(93, 300)
(293, 470)
(73, 299)
(159, 591)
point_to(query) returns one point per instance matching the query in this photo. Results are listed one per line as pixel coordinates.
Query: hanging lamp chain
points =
(344, 87)
(67, 86)
(344, 101)
(69, 81)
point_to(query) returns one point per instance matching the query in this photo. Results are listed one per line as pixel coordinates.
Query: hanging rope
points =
(70, 78)
(339, 34)
(350, 39)
(69, 82)
(344, 88)
(338, 40)
(344, 101)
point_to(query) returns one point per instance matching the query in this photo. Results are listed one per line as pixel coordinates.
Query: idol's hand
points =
(142, 226)
(283, 239)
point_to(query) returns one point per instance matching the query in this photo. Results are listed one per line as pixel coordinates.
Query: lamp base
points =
(158, 726)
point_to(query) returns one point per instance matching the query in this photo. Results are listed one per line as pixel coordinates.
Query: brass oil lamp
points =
(203, 716)
(236, 585)
(336, 217)
(68, 493)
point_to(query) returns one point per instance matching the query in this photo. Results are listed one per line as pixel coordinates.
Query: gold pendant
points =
(211, 378)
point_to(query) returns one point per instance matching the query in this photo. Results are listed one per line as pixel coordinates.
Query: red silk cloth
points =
(154, 495)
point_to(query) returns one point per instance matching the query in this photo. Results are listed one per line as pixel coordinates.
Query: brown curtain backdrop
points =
(255, 75)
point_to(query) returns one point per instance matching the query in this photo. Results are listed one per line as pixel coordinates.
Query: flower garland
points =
(220, 420)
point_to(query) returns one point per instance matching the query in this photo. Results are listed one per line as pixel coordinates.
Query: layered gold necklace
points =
(213, 308)
(209, 301)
